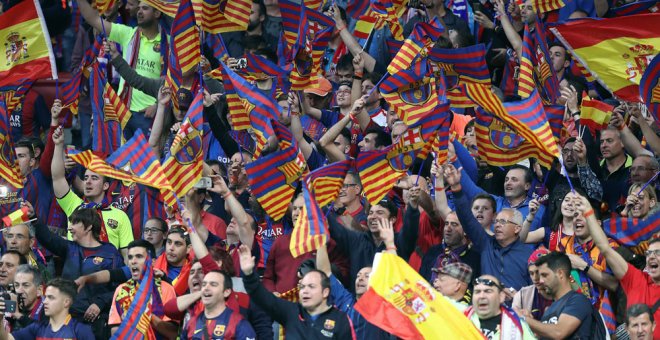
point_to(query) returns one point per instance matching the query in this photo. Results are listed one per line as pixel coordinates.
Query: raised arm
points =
(441, 202)
(349, 40)
(323, 260)
(164, 97)
(471, 226)
(630, 142)
(245, 231)
(296, 126)
(617, 264)
(327, 141)
(537, 235)
(60, 185)
(93, 18)
(509, 30)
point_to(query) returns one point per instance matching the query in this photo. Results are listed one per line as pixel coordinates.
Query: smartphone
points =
(10, 306)
(476, 7)
(70, 149)
(241, 63)
(4, 191)
(204, 183)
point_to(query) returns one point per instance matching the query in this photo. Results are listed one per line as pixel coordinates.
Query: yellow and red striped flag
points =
(616, 52)
(543, 6)
(186, 38)
(93, 162)
(103, 6)
(595, 114)
(220, 16)
(115, 108)
(16, 217)
(167, 7)
(28, 51)
(403, 303)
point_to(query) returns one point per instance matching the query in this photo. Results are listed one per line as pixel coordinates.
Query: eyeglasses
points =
(486, 282)
(348, 185)
(152, 231)
(655, 252)
(503, 221)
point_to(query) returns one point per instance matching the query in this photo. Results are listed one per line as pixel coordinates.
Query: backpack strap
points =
(655, 307)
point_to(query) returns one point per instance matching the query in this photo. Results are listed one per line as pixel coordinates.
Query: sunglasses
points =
(487, 282)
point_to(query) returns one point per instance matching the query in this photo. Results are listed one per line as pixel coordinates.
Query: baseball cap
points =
(185, 98)
(538, 253)
(322, 89)
(457, 270)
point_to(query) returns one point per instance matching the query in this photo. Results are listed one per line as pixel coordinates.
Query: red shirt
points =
(429, 235)
(215, 225)
(640, 288)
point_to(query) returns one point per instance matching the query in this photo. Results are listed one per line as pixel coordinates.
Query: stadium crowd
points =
(523, 251)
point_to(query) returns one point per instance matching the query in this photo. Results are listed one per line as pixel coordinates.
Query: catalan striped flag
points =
(28, 51)
(536, 69)
(220, 16)
(95, 163)
(106, 137)
(441, 142)
(466, 63)
(587, 75)
(286, 140)
(309, 231)
(326, 182)
(388, 14)
(649, 88)
(631, 232)
(167, 7)
(16, 217)
(458, 97)
(618, 51)
(185, 38)
(380, 169)
(136, 322)
(184, 162)
(103, 6)
(401, 302)
(411, 92)
(70, 90)
(526, 117)
(115, 109)
(595, 114)
(315, 5)
(249, 107)
(273, 179)
(499, 144)
(543, 6)
(637, 7)
(418, 43)
(138, 158)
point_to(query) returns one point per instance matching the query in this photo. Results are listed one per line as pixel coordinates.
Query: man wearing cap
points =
(532, 297)
(491, 316)
(452, 281)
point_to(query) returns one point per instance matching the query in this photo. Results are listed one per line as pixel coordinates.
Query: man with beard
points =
(143, 48)
(175, 263)
(569, 316)
(533, 297)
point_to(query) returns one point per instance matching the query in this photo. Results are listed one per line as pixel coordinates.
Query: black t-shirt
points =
(573, 304)
(489, 327)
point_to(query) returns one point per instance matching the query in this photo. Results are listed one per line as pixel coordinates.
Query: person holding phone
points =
(59, 297)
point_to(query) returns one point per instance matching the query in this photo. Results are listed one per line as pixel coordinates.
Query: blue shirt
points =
(72, 329)
(217, 327)
(508, 264)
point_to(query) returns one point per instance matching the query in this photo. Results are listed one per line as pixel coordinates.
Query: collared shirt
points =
(615, 184)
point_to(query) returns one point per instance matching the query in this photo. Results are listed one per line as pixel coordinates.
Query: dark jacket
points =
(360, 246)
(76, 264)
(332, 324)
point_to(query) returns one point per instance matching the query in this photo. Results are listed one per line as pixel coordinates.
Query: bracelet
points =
(439, 188)
(356, 77)
(621, 127)
(391, 248)
(358, 74)
(588, 213)
(226, 196)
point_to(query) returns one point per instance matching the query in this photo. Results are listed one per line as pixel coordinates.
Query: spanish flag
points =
(17, 217)
(401, 302)
(28, 52)
(616, 51)
(595, 115)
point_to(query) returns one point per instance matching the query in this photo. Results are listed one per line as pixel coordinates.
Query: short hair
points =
(345, 62)
(653, 162)
(26, 142)
(141, 243)
(528, 177)
(442, 42)
(555, 261)
(181, 231)
(653, 240)
(516, 215)
(88, 217)
(37, 278)
(161, 222)
(390, 206)
(463, 37)
(567, 56)
(487, 197)
(219, 254)
(228, 283)
(649, 190)
(66, 287)
(382, 138)
(325, 280)
(637, 310)
(346, 133)
(355, 177)
(21, 259)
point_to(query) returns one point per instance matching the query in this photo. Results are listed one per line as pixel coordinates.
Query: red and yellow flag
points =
(28, 52)
(403, 303)
(17, 217)
(616, 51)
(595, 114)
